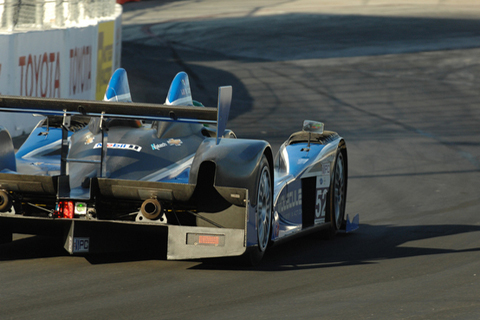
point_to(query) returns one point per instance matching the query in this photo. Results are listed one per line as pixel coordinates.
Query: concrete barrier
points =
(70, 62)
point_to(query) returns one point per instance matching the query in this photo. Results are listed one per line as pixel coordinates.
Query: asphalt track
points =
(399, 80)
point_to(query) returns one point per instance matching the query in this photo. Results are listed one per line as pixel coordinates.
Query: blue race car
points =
(104, 174)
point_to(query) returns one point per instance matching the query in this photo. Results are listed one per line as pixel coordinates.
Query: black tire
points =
(338, 191)
(337, 196)
(5, 201)
(263, 214)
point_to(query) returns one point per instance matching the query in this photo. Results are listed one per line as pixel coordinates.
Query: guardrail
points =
(47, 14)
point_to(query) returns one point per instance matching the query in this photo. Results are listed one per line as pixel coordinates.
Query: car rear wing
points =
(113, 109)
(125, 110)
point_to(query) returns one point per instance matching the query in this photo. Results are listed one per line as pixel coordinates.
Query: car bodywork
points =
(95, 174)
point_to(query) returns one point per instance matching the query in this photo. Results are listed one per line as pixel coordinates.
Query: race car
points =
(105, 174)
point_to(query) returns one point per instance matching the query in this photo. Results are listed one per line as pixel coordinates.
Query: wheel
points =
(336, 197)
(263, 214)
(5, 201)
(338, 192)
(264, 206)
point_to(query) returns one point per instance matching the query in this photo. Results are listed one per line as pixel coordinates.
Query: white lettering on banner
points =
(80, 70)
(40, 75)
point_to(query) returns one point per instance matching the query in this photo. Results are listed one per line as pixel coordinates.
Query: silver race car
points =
(111, 175)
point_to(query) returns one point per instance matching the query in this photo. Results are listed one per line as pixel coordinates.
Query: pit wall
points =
(70, 63)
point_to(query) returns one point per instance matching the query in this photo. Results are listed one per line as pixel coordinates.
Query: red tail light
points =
(65, 210)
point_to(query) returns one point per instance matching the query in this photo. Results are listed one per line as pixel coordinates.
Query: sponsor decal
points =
(170, 142)
(175, 142)
(289, 204)
(123, 146)
(290, 200)
(90, 139)
(81, 245)
(326, 168)
(158, 146)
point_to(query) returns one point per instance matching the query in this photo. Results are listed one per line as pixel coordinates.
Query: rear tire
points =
(263, 214)
(5, 201)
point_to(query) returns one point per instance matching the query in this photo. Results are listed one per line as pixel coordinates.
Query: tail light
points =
(65, 209)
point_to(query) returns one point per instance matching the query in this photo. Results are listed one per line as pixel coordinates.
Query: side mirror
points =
(313, 126)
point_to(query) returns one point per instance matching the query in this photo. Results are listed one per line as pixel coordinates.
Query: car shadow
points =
(39, 247)
(368, 245)
(32, 247)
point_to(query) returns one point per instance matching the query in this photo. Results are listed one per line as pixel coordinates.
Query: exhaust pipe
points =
(151, 209)
(5, 201)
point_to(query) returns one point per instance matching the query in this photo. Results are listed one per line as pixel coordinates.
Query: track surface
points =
(399, 81)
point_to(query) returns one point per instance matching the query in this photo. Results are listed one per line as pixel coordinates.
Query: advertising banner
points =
(81, 46)
(118, 42)
(4, 63)
(38, 64)
(69, 63)
(105, 45)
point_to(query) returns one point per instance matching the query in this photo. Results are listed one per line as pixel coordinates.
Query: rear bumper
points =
(218, 232)
(93, 236)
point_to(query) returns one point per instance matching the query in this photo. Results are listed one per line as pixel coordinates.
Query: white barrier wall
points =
(71, 63)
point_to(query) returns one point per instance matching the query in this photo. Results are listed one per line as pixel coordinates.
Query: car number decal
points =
(322, 186)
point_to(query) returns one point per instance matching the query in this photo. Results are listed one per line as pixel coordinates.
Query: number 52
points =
(320, 203)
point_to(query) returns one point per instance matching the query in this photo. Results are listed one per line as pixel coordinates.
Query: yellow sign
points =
(105, 57)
